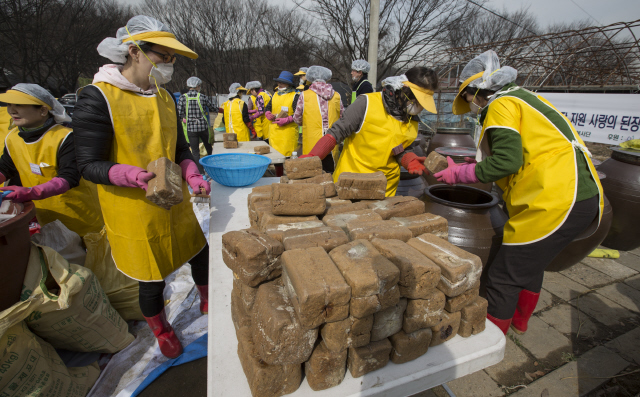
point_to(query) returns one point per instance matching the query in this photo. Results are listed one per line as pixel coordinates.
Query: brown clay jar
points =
(584, 244)
(476, 221)
(450, 137)
(622, 187)
(15, 246)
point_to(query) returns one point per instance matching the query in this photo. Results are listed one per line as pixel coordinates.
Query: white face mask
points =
(161, 73)
(414, 108)
(475, 108)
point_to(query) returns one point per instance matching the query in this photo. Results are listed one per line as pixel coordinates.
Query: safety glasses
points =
(166, 58)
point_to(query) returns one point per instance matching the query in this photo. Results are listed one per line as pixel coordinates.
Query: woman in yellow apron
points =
(551, 189)
(122, 122)
(379, 129)
(283, 134)
(317, 110)
(41, 152)
(236, 114)
(259, 101)
(6, 125)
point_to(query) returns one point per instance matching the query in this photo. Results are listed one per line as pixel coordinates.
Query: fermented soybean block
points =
(472, 317)
(447, 329)
(425, 223)
(398, 206)
(303, 168)
(165, 189)
(277, 231)
(324, 180)
(424, 313)
(460, 269)
(315, 286)
(302, 199)
(325, 368)
(277, 332)
(370, 275)
(230, 144)
(355, 186)
(324, 237)
(435, 162)
(418, 274)
(369, 358)
(408, 347)
(253, 256)
(388, 321)
(369, 230)
(340, 220)
(350, 332)
(265, 380)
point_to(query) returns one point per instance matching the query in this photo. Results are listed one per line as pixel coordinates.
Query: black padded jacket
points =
(93, 132)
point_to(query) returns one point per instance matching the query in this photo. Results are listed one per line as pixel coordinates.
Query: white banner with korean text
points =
(603, 118)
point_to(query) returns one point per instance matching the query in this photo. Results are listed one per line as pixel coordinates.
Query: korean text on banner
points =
(602, 118)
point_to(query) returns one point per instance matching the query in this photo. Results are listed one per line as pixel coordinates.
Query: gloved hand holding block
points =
(165, 190)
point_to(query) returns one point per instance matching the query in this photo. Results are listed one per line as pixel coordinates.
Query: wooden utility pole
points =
(374, 20)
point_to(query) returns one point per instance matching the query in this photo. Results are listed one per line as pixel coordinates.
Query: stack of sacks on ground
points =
(326, 284)
(62, 306)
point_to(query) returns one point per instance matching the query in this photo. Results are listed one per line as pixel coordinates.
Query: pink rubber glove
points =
(284, 121)
(270, 116)
(191, 174)
(52, 188)
(124, 175)
(254, 116)
(253, 111)
(458, 173)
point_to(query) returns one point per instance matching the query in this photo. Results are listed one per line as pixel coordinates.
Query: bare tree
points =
(52, 42)
(409, 30)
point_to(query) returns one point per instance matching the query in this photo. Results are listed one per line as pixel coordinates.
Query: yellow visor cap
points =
(300, 73)
(241, 88)
(424, 97)
(300, 87)
(460, 106)
(164, 39)
(20, 98)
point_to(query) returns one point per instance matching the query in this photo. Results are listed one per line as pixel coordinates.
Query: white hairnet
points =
(253, 85)
(318, 73)
(396, 82)
(360, 65)
(57, 110)
(303, 69)
(493, 77)
(233, 89)
(117, 51)
(193, 82)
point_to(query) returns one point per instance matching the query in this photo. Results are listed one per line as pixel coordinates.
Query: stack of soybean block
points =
(230, 140)
(325, 285)
(357, 186)
(308, 170)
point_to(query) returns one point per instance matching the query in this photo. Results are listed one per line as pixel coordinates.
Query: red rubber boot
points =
(527, 302)
(169, 343)
(204, 298)
(502, 324)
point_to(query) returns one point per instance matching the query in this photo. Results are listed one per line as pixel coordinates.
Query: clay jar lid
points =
(626, 155)
(452, 130)
(457, 153)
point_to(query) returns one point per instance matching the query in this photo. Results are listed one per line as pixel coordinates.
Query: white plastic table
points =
(453, 359)
(248, 147)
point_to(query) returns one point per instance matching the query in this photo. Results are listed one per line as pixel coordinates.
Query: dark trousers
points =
(194, 142)
(151, 293)
(518, 267)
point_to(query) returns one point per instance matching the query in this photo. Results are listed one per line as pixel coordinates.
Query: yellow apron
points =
(37, 163)
(5, 127)
(541, 194)
(370, 149)
(257, 125)
(147, 242)
(283, 139)
(312, 129)
(233, 121)
(266, 124)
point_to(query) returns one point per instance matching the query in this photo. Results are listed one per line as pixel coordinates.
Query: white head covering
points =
(318, 73)
(114, 49)
(253, 85)
(493, 76)
(360, 65)
(57, 110)
(233, 89)
(193, 82)
(396, 82)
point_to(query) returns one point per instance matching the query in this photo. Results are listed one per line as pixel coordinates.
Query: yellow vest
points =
(147, 242)
(370, 149)
(5, 127)
(37, 163)
(541, 194)
(283, 139)
(261, 124)
(312, 129)
(233, 121)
